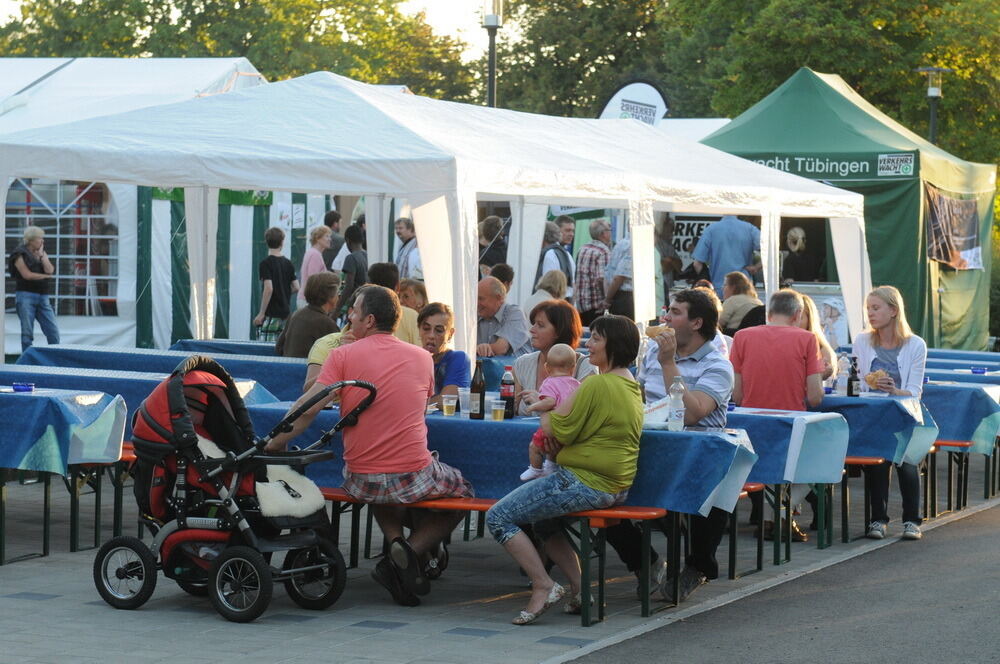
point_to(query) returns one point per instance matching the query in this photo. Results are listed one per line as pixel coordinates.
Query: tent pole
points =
(5, 182)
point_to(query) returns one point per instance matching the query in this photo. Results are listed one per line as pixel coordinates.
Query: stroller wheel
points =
(125, 572)
(198, 589)
(240, 584)
(320, 588)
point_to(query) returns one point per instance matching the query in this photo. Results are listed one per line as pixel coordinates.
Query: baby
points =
(560, 364)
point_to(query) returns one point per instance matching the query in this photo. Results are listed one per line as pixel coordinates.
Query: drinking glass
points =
(448, 402)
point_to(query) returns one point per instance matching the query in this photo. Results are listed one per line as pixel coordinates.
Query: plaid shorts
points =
(270, 329)
(437, 480)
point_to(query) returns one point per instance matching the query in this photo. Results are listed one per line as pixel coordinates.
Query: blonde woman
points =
(552, 286)
(312, 261)
(810, 321)
(889, 346)
(32, 271)
(738, 298)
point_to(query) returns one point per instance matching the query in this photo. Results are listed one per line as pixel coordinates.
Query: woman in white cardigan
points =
(890, 345)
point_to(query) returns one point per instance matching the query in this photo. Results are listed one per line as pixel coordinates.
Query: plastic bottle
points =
(663, 314)
(477, 393)
(854, 380)
(507, 392)
(843, 369)
(676, 421)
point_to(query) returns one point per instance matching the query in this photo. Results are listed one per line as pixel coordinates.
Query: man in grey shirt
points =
(686, 350)
(502, 328)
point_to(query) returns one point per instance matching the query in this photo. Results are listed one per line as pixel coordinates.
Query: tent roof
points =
(322, 133)
(813, 113)
(693, 129)
(38, 92)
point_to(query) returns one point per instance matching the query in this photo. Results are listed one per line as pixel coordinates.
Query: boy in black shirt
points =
(278, 275)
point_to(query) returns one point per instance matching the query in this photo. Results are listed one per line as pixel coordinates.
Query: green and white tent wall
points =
(163, 269)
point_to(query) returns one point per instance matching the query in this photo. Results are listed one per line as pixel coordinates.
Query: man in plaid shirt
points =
(590, 264)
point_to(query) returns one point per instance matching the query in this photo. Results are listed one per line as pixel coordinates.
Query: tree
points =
(565, 57)
(369, 40)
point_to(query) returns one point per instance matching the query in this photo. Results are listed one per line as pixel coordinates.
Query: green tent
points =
(917, 196)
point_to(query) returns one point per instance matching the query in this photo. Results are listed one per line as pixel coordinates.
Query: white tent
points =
(323, 133)
(41, 92)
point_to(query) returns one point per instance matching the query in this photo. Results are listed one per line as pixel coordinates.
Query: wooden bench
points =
(858, 462)
(748, 488)
(958, 459)
(590, 546)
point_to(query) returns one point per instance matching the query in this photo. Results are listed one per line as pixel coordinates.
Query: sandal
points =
(438, 563)
(555, 596)
(575, 604)
(407, 564)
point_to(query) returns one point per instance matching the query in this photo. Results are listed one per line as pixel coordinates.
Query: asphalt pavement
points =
(931, 600)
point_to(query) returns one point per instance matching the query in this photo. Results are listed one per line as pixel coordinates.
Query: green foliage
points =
(369, 40)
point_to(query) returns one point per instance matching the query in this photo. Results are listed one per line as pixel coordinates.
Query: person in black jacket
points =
(32, 271)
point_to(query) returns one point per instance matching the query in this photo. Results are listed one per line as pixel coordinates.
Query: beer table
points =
(225, 346)
(282, 376)
(962, 376)
(898, 429)
(685, 471)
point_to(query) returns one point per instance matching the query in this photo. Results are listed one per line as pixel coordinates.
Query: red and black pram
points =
(218, 507)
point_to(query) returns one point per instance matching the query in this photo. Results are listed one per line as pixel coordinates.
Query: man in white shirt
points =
(407, 254)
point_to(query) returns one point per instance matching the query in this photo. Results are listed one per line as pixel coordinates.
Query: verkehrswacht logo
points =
(895, 164)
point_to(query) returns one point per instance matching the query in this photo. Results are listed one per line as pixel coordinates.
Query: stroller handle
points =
(285, 425)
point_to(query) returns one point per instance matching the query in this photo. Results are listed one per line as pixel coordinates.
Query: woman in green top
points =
(594, 436)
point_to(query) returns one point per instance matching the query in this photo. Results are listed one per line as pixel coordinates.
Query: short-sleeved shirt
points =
(508, 323)
(407, 330)
(887, 359)
(451, 369)
(558, 388)
(727, 246)
(391, 435)
(591, 263)
(773, 362)
(281, 273)
(601, 434)
(356, 263)
(706, 370)
(312, 263)
(526, 373)
(620, 264)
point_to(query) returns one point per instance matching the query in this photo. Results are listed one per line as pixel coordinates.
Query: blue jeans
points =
(29, 307)
(541, 501)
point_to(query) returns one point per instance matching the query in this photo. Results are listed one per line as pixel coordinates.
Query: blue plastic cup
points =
(827, 389)
(23, 387)
(979, 371)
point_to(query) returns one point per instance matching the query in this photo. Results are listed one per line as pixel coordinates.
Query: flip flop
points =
(407, 564)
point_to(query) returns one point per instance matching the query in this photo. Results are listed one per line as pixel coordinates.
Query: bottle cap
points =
(508, 367)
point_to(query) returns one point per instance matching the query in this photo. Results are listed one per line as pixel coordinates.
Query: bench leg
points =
(732, 541)
(824, 503)
(932, 472)
(3, 517)
(845, 509)
(46, 512)
(674, 562)
(644, 566)
(98, 477)
(355, 533)
(585, 561)
(602, 551)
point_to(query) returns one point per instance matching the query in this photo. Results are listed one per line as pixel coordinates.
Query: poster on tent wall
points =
(953, 229)
(639, 100)
(687, 232)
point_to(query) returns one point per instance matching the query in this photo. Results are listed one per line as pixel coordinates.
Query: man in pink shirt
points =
(385, 453)
(778, 366)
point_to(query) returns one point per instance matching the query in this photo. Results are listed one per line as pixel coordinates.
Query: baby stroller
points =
(218, 507)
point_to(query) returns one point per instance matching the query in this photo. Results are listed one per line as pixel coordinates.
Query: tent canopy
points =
(816, 126)
(323, 133)
(39, 92)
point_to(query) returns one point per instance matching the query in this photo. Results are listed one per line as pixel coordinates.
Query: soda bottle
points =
(477, 393)
(676, 421)
(507, 392)
(853, 379)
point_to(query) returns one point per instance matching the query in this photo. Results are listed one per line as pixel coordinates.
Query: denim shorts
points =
(541, 501)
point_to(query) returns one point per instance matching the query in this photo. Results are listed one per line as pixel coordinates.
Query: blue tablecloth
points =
(962, 376)
(282, 376)
(970, 356)
(47, 430)
(133, 386)
(941, 363)
(798, 447)
(225, 346)
(967, 412)
(689, 471)
(895, 428)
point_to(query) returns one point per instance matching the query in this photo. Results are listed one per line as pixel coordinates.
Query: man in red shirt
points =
(386, 457)
(778, 366)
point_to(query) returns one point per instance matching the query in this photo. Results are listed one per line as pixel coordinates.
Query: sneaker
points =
(532, 473)
(876, 530)
(657, 577)
(385, 575)
(911, 531)
(691, 580)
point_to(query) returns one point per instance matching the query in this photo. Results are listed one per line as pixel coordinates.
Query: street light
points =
(492, 20)
(934, 78)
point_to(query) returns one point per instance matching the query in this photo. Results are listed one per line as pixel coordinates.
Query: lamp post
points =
(934, 78)
(492, 20)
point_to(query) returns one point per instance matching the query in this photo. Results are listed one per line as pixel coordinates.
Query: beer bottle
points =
(507, 392)
(853, 379)
(477, 393)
